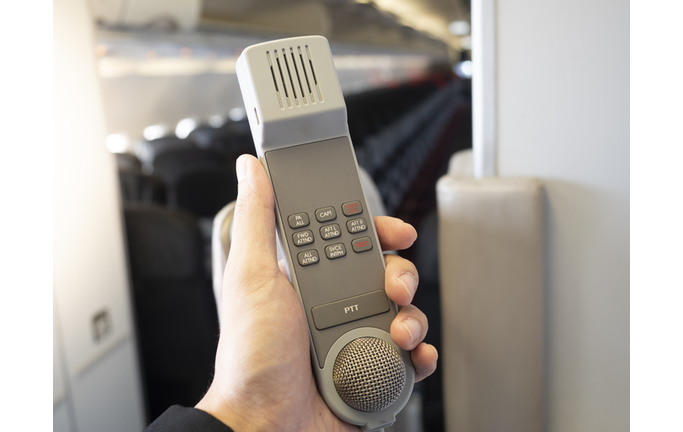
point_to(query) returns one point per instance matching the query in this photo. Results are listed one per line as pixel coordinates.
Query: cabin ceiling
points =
(418, 24)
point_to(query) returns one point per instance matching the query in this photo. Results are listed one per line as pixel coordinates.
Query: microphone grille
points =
(369, 374)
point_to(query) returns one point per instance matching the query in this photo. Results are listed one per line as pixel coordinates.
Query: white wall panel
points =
(61, 421)
(108, 397)
(90, 294)
(563, 116)
(61, 411)
(90, 273)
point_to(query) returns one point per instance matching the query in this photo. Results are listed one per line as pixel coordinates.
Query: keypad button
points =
(361, 244)
(325, 214)
(356, 225)
(298, 220)
(352, 208)
(308, 257)
(303, 238)
(328, 232)
(334, 251)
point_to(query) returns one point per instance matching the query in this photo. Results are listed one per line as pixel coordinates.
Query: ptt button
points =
(325, 214)
(308, 257)
(330, 231)
(350, 309)
(356, 225)
(298, 220)
(361, 244)
(303, 238)
(352, 208)
(334, 251)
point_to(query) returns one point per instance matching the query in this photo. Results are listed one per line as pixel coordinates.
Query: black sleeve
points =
(181, 419)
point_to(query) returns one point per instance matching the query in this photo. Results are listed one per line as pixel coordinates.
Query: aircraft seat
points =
(491, 282)
(172, 164)
(220, 249)
(230, 140)
(205, 190)
(460, 164)
(148, 150)
(136, 186)
(175, 312)
(128, 162)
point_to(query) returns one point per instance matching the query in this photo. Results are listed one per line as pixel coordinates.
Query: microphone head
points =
(369, 374)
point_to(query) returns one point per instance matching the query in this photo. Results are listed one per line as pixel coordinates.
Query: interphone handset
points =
(334, 260)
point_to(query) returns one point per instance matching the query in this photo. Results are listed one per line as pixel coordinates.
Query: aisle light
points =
(185, 127)
(414, 14)
(216, 121)
(117, 143)
(463, 69)
(153, 132)
(459, 28)
(237, 114)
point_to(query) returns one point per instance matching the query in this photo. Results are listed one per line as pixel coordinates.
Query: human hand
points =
(263, 378)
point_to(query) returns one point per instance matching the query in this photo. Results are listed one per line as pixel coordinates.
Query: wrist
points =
(214, 405)
(231, 414)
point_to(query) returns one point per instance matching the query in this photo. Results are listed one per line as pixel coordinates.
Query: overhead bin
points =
(169, 14)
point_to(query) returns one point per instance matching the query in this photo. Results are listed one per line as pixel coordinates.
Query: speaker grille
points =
(294, 76)
(369, 374)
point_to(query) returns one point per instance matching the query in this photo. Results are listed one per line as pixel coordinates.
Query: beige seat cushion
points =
(491, 265)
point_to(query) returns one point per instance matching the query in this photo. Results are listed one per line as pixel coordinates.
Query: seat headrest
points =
(162, 243)
(170, 165)
(203, 191)
(460, 164)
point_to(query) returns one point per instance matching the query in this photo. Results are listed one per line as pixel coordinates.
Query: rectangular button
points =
(303, 238)
(308, 257)
(298, 220)
(350, 309)
(336, 250)
(352, 208)
(356, 225)
(330, 231)
(361, 244)
(325, 214)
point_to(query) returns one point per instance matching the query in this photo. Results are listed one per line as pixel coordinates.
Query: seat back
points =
(220, 249)
(148, 151)
(230, 140)
(171, 164)
(138, 187)
(491, 273)
(174, 307)
(128, 162)
(205, 190)
(460, 164)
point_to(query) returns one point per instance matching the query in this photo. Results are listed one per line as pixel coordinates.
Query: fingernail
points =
(409, 283)
(241, 168)
(413, 328)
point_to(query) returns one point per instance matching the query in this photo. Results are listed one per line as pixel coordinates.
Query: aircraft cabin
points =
(498, 130)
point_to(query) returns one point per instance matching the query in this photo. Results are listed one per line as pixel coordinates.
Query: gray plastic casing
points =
(301, 136)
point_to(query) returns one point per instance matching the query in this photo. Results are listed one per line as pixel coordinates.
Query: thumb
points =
(253, 231)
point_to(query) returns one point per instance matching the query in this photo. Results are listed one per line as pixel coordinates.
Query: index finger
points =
(393, 233)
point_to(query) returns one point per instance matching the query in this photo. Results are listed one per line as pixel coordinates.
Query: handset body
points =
(327, 235)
